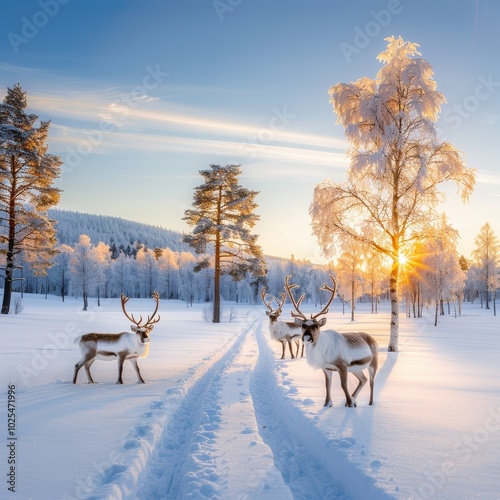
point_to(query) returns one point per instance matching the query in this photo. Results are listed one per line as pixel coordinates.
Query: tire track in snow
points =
(302, 472)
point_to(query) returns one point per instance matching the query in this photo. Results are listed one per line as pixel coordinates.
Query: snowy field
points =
(221, 416)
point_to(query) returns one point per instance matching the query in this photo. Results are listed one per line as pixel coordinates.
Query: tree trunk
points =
(7, 288)
(352, 300)
(9, 265)
(487, 288)
(216, 316)
(393, 292)
(436, 313)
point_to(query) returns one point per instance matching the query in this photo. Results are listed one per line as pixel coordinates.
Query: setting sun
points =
(403, 259)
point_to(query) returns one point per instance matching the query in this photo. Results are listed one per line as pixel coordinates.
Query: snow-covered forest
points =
(106, 256)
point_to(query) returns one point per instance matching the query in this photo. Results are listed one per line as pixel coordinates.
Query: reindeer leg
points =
(121, 360)
(77, 369)
(362, 381)
(328, 385)
(85, 359)
(136, 367)
(283, 349)
(88, 364)
(349, 401)
(372, 369)
(290, 347)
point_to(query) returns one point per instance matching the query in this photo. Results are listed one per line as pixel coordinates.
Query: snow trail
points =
(303, 473)
(233, 430)
(216, 414)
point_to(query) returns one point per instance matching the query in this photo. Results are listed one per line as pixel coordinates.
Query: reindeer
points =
(333, 351)
(285, 332)
(120, 346)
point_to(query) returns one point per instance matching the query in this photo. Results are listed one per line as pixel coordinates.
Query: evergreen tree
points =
(222, 217)
(397, 163)
(27, 173)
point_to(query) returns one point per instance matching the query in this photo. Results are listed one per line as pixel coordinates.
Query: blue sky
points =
(143, 95)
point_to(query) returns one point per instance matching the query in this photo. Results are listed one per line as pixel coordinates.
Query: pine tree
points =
(397, 163)
(222, 218)
(27, 173)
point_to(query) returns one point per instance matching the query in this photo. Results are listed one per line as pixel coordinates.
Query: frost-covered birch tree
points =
(442, 276)
(486, 255)
(147, 271)
(62, 261)
(122, 275)
(349, 271)
(397, 163)
(27, 173)
(374, 274)
(168, 269)
(86, 269)
(223, 216)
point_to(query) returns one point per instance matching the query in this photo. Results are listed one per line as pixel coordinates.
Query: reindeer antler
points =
(263, 297)
(268, 304)
(327, 288)
(296, 304)
(283, 299)
(150, 321)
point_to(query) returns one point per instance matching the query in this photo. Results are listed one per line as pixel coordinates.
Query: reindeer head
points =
(273, 314)
(143, 330)
(310, 327)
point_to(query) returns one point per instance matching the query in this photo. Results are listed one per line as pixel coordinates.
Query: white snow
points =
(221, 416)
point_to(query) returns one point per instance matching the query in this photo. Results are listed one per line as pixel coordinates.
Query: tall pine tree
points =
(222, 217)
(27, 173)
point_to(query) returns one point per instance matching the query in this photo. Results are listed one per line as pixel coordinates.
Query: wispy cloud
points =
(488, 177)
(65, 137)
(168, 117)
(111, 123)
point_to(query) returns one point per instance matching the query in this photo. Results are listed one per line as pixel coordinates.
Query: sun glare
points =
(403, 260)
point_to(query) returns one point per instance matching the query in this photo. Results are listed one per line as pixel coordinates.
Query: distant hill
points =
(109, 230)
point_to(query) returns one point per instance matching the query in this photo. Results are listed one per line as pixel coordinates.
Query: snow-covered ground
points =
(221, 416)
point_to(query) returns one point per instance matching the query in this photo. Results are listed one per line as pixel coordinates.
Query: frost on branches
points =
(27, 173)
(397, 163)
